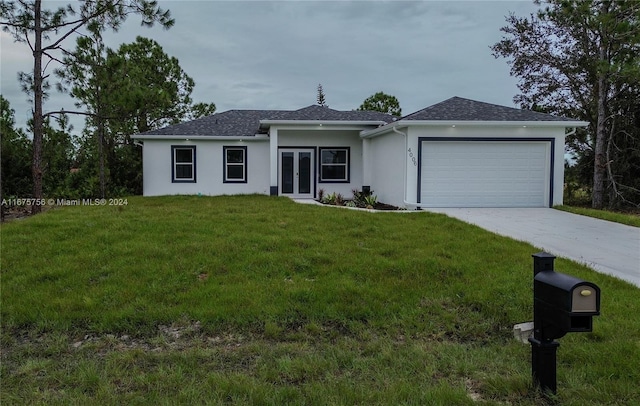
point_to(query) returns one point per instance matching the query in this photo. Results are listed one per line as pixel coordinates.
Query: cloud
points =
(272, 55)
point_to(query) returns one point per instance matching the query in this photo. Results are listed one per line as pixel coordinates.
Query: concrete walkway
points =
(607, 247)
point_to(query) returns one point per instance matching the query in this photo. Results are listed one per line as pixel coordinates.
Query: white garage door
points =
(485, 173)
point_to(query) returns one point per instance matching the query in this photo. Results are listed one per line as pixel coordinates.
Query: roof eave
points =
(157, 137)
(471, 123)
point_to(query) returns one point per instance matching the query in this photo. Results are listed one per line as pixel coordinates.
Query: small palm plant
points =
(329, 199)
(371, 201)
(364, 199)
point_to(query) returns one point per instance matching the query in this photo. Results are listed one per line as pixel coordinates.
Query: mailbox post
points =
(561, 304)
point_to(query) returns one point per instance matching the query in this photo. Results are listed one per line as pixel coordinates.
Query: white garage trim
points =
(485, 172)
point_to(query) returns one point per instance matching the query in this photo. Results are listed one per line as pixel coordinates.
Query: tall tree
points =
(15, 149)
(133, 89)
(45, 32)
(85, 71)
(579, 58)
(150, 88)
(58, 151)
(321, 99)
(382, 102)
(158, 93)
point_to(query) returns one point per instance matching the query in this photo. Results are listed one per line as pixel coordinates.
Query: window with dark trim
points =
(183, 164)
(334, 164)
(235, 164)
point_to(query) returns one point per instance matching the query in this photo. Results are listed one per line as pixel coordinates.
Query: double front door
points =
(296, 172)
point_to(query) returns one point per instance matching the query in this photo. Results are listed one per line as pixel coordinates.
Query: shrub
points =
(359, 197)
(371, 200)
(329, 199)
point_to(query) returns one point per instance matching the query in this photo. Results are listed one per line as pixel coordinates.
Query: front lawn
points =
(258, 300)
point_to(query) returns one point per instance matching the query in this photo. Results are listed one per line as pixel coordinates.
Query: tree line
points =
(121, 92)
(133, 89)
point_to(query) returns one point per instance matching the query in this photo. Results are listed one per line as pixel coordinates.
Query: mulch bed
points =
(377, 206)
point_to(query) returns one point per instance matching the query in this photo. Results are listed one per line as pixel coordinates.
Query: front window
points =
(183, 163)
(235, 164)
(334, 164)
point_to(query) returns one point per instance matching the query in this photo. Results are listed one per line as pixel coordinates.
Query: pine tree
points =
(321, 98)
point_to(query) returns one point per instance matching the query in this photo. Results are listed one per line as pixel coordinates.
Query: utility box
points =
(566, 302)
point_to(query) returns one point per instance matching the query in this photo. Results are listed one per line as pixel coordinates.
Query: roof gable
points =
(460, 109)
(323, 113)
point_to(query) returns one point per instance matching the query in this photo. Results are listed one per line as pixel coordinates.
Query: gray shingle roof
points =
(230, 123)
(238, 123)
(459, 109)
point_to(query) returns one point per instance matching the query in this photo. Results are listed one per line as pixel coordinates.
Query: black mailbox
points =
(561, 304)
(564, 303)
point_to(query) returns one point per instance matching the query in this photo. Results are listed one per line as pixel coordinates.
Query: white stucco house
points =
(457, 153)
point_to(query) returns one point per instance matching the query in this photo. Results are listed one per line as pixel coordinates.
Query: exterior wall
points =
(329, 138)
(157, 177)
(392, 160)
(414, 133)
(388, 171)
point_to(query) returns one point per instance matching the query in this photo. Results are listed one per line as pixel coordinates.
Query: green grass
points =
(258, 300)
(616, 217)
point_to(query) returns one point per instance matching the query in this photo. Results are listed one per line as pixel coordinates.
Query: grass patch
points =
(630, 219)
(258, 300)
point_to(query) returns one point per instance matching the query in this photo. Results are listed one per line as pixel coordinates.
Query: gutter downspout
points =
(404, 173)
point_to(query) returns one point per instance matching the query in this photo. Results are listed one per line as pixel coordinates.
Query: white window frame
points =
(242, 164)
(175, 164)
(346, 164)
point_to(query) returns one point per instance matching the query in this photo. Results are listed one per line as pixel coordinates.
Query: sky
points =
(273, 54)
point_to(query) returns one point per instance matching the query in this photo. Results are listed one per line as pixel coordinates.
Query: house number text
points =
(413, 158)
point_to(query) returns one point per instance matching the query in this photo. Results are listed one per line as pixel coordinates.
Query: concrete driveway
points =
(607, 247)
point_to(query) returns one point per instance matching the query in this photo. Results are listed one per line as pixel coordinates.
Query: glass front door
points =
(296, 173)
